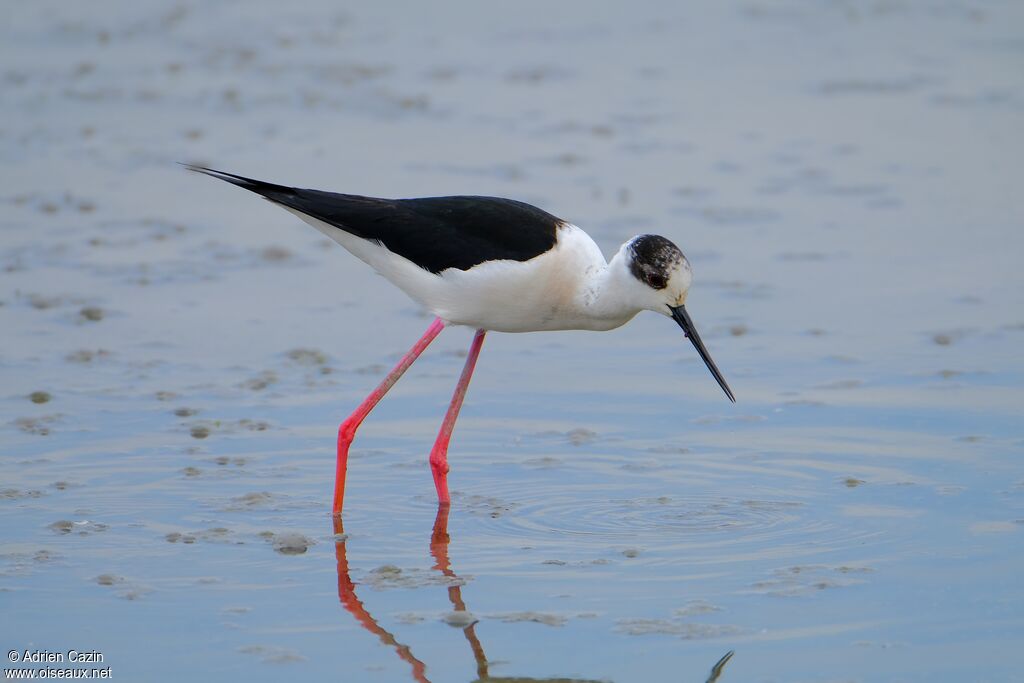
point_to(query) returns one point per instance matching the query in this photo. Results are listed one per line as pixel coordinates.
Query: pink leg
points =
(439, 453)
(347, 430)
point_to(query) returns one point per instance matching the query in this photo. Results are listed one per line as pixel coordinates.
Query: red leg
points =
(347, 430)
(439, 453)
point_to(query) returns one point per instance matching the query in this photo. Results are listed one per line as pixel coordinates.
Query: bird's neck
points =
(607, 299)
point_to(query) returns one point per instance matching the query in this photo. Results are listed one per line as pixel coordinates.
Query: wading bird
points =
(492, 264)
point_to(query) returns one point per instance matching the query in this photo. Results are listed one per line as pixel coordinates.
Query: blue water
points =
(845, 181)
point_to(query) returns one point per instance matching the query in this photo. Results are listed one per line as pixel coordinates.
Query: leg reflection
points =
(352, 604)
(439, 540)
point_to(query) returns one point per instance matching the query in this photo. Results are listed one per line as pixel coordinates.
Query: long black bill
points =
(680, 315)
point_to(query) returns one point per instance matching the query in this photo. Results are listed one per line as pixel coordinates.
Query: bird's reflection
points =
(716, 670)
(439, 540)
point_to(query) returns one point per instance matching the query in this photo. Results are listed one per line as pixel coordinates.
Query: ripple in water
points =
(721, 528)
(690, 517)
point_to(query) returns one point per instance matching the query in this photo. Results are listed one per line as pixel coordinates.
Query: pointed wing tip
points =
(201, 169)
(240, 181)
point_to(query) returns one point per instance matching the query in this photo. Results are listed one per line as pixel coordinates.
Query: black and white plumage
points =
(435, 233)
(497, 264)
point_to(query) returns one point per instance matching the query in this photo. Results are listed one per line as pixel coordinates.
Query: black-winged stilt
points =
(492, 264)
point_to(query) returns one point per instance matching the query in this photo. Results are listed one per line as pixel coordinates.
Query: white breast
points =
(548, 292)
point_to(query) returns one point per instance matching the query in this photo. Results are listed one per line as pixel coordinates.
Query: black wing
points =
(435, 233)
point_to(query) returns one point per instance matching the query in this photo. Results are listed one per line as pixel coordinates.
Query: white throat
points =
(611, 296)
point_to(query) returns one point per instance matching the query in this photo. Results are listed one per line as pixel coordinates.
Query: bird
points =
(492, 264)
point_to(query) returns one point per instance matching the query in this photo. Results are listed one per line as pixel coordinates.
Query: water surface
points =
(176, 356)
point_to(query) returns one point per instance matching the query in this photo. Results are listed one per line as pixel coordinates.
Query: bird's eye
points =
(657, 280)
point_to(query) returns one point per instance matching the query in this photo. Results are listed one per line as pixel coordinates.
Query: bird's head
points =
(661, 268)
(664, 276)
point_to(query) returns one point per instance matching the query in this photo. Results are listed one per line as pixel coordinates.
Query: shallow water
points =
(176, 356)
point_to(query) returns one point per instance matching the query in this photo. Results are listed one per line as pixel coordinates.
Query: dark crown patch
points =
(654, 260)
